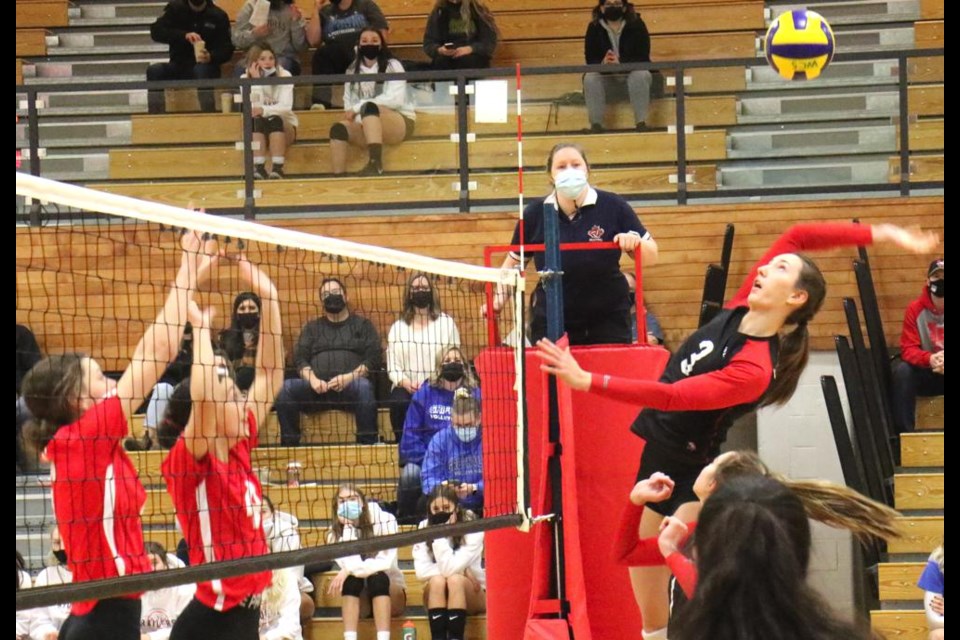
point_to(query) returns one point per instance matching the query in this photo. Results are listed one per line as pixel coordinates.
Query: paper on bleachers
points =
(261, 8)
(490, 100)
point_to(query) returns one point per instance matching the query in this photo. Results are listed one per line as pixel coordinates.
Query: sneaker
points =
(642, 127)
(372, 169)
(595, 128)
(276, 172)
(259, 172)
(318, 106)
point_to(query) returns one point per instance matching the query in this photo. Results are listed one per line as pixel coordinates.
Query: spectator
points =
(274, 122)
(376, 579)
(28, 354)
(451, 568)
(282, 534)
(335, 32)
(414, 343)
(376, 113)
(460, 34)
(616, 35)
(931, 581)
(753, 551)
(596, 309)
(280, 608)
(428, 414)
(55, 573)
(198, 33)
(159, 609)
(178, 370)
(334, 357)
(283, 32)
(239, 341)
(455, 455)
(654, 331)
(921, 350)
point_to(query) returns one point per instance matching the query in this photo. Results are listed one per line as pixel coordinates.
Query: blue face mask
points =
(570, 182)
(466, 434)
(350, 510)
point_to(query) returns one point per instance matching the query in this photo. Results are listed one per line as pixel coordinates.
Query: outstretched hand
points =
(561, 363)
(200, 257)
(912, 239)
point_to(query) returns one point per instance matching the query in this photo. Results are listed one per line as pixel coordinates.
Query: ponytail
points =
(52, 390)
(795, 346)
(843, 508)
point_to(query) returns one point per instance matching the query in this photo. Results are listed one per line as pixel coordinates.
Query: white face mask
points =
(570, 182)
(466, 434)
(268, 72)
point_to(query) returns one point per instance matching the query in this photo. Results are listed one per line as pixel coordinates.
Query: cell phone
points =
(449, 45)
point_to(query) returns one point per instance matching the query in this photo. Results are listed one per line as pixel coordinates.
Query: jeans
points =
(157, 405)
(409, 491)
(598, 87)
(909, 382)
(297, 396)
(170, 71)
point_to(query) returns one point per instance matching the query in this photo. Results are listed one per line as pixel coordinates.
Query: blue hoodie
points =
(449, 458)
(428, 413)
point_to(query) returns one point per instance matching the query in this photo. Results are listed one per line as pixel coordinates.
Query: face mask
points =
(936, 288)
(61, 556)
(266, 73)
(451, 371)
(440, 517)
(570, 183)
(248, 320)
(196, 4)
(369, 51)
(350, 510)
(267, 525)
(334, 303)
(466, 434)
(421, 299)
(612, 14)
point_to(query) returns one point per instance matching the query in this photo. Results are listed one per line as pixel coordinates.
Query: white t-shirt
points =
(280, 617)
(446, 562)
(412, 351)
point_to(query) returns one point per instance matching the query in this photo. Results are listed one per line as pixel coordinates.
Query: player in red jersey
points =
(722, 371)
(80, 419)
(208, 472)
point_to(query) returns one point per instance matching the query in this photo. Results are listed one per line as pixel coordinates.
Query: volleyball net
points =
(378, 347)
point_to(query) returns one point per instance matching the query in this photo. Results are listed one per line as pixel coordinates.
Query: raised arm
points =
(830, 235)
(161, 340)
(269, 359)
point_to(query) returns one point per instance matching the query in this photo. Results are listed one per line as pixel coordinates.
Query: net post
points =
(247, 115)
(464, 155)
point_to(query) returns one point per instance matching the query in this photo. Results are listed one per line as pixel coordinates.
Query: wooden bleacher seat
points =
(921, 534)
(327, 628)
(925, 69)
(324, 600)
(918, 491)
(923, 168)
(898, 581)
(930, 413)
(931, 9)
(900, 625)
(921, 449)
(41, 13)
(925, 135)
(929, 34)
(19, 71)
(31, 42)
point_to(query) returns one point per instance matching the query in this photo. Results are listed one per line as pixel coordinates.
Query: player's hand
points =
(912, 239)
(673, 532)
(336, 584)
(561, 363)
(656, 488)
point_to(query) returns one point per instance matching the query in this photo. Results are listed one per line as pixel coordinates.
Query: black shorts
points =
(198, 620)
(111, 618)
(409, 125)
(684, 474)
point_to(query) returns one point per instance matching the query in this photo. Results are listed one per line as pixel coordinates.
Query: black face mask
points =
(421, 299)
(440, 517)
(451, 371)
(612, 14)
(369, 51)
(936, 288)
(334, 303)
(248, 321)
(61, 556)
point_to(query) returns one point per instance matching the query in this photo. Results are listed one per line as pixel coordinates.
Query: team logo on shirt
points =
(687, 364)
(596, 233)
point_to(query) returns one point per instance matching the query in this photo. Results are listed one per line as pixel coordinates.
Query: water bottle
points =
(409, 631)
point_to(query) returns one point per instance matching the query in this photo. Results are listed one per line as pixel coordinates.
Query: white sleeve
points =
(454, 333)
(396, 360)
(288, 626)
(350, 96)
(394, 92)
(284, 102)
(453, 562)
(423, 564)
(934, 619)
(160, 634)
(385, 559)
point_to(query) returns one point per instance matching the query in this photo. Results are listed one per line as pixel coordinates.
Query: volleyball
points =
(799, 44)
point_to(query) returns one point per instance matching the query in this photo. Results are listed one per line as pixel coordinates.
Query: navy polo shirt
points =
(592, 282)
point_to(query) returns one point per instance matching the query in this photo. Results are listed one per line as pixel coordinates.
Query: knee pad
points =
(378, 585)
(274, 124)
(369, 109)
(353, 586)
(339, 132)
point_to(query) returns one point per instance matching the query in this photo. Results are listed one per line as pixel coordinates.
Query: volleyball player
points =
(208, 473)
(726, 369)
(80, 419)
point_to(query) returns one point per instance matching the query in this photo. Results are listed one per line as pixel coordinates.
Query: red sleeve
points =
(743, 380)
(684, 570)
(629, 549)
(806, 237)
(911, 347)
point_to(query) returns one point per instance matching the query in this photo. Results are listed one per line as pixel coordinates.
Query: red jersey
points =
(218, 507)
(97, 498)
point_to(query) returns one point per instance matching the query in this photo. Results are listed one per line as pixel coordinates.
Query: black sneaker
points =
(595, 128)
(259, 172)
(372, 169)
(276, 172)
(642, 127)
